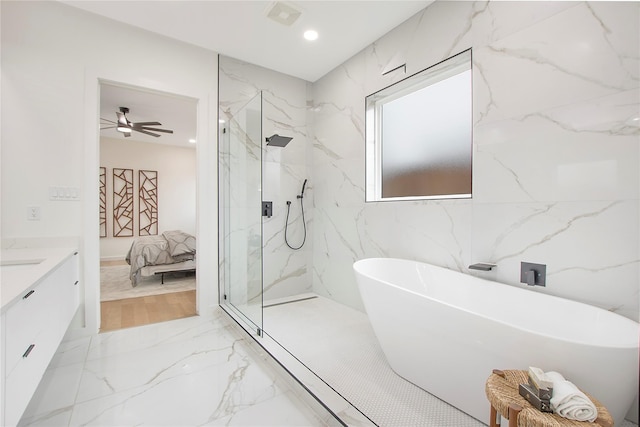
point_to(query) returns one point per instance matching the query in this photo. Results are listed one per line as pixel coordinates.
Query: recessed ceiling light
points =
(193, 141)
(311, 35)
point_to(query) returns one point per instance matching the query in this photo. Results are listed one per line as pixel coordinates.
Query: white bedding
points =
(167, 249)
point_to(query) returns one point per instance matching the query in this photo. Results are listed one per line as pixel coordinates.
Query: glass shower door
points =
(241, 175)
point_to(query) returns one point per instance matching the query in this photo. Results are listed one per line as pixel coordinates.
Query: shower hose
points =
(304, 225)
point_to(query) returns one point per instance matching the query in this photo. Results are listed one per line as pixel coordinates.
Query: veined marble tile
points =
(545, 66)
(212, 394)
(282, 181)
(144, 337)
(71, 352)
(444, 30)
(278, 411)
(496, 20)
(276, 174)
(385, 55)
(585, 151)
(205, 374)
(590, 248)
(153, 365)
(435, 232)
(339, 183)
(340, 87)
(286, 116)
(554, 126)
(285, 269)
(60, 417)
(55, 394)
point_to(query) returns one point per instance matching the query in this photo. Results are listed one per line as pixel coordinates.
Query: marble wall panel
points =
(584, 151)
(280, 171)
(555, 169)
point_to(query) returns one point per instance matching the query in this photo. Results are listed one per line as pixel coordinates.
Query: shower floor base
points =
(338, 344)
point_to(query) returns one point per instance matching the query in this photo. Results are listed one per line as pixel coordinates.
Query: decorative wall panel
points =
(122, 202)
(103, 201)
(148, 202)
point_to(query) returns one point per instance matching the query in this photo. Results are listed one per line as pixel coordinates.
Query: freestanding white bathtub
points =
(445, 331)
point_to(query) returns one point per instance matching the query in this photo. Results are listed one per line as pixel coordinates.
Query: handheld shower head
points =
(302, 192)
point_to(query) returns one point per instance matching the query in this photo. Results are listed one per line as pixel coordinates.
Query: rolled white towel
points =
(569, 402)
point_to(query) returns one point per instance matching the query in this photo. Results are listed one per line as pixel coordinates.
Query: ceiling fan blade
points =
(155, 129)
(139, 124)
(107, 120)
(126, 134)
(108, 127)
(145, 132)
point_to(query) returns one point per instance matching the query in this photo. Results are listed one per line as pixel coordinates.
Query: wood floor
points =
(139, 311)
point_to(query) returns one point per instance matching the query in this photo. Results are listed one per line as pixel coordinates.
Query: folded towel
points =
(569, 402)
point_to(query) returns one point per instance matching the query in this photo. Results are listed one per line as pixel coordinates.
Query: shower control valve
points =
(267, 209)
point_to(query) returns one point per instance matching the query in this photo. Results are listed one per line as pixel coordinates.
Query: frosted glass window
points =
(419, 135)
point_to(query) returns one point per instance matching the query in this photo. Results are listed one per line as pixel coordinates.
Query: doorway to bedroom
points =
(147, 207)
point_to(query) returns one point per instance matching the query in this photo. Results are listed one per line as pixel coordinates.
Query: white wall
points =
(176, 167)
(555, 166)
(53, 60)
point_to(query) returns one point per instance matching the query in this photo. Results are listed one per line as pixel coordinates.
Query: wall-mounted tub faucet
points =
(533, 274)
(482, 266)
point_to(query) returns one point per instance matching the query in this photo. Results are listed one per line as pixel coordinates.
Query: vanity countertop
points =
(22, 269)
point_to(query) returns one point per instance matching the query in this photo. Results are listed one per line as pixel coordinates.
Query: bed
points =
(169, 252)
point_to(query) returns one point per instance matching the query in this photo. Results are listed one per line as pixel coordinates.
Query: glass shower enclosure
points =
(240, 161)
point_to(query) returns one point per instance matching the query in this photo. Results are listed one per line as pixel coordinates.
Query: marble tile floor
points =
(338, 344)
(189, 372)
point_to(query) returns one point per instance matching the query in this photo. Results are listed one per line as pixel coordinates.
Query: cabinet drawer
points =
(23, 380)
(29, 316)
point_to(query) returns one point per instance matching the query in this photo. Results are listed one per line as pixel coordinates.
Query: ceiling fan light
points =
(123, 129)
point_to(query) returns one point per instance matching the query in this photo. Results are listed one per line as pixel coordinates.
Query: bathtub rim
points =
(632, 345)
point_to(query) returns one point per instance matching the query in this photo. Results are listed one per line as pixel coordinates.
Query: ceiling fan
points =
(125, 126)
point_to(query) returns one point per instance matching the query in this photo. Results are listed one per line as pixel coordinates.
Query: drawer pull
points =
(26, 353)
(28, 294)
(77, 281)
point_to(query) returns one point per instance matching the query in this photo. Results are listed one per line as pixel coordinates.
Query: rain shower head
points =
(278, 141)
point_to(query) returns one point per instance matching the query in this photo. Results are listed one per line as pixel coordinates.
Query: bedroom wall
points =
(176, 168)
(53, 60)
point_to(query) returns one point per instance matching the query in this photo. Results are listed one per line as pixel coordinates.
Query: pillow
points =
(180, 243)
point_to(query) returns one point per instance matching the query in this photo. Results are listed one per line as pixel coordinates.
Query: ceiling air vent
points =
(283, 13)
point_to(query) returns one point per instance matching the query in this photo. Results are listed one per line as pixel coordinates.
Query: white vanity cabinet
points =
(33, 327)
